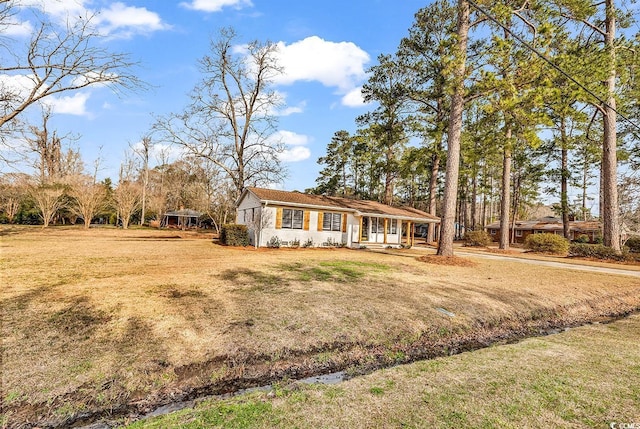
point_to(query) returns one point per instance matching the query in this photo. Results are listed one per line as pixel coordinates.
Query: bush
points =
(477, 239)
(599, 251)
(274, 242)
(308, 243)
(547, 243)
(233, 234)
(582, 238)
(633, 243)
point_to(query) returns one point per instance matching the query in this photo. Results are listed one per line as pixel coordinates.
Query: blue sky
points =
(326, 48)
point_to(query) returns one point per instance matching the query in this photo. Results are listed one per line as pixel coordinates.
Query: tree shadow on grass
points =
(247, 280)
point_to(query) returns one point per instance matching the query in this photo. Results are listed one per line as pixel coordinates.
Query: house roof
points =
(361, 207)
(550, 224)
(184, 213)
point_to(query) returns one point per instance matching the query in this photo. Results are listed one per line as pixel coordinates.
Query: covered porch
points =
(388, 231)
(183, 219)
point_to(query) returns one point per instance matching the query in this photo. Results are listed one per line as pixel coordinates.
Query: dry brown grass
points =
(454, 261)
(586, 377)
(93, 319)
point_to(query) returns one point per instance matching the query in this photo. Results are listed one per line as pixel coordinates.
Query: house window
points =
(392, 226)
(492, 231)
(292, 219)
(518, 233)
(376, 225)
(332, 222)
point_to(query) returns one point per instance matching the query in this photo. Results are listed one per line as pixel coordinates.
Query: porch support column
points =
(413, 233)
(410, 233)
(360, 230)
(385, 230)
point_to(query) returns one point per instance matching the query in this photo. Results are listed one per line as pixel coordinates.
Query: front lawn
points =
(109, 321)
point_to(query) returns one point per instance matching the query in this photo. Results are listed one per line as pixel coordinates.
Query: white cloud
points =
(93, 78)
(296, 150)
(161, 151)
(129, 20)
(13, 27)
(75, 104)
(59, 8)
(295, 154)
(290, 138)
(339, 65)
(215, 5)
(353, 98)
(117, 20)
(290, 110)
(19, 85)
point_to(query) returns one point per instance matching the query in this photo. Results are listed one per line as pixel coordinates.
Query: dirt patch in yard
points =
(453, 261)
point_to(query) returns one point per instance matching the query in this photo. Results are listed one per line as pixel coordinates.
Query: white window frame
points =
(518, 233)
(292, 222)
(334, 221)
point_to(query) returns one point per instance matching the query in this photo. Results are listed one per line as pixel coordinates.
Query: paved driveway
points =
(564, 265)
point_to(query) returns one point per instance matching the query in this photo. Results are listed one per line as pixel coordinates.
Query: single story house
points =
(183, 218)
(549, 224)
(318, 220)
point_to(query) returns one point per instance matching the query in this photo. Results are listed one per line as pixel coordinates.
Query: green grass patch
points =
(232, 414)
(336, 271)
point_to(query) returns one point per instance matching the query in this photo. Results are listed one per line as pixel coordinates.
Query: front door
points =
(365, 228)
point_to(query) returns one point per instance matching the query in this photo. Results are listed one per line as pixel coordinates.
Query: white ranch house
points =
(297, 217)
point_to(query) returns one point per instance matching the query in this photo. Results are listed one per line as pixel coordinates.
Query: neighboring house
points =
(295, 217)
(183, 218)
(550, 224)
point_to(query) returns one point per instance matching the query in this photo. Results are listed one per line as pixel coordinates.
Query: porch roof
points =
(184, 213)
(542, 225)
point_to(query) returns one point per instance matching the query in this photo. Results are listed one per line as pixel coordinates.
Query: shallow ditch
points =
(260, 373)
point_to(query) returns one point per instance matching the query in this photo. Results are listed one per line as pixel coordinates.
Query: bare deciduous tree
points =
(49, 199)
(55, 59)
(258, 220)
(88, 198)
(143, 153)
(13, 187)
(52, 163)
(126, 196)
(230, 120)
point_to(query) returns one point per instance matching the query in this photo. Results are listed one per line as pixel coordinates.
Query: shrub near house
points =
(547, 243)
(477, 239)
(234, 235)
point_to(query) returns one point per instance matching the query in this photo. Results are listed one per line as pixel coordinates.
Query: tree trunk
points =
(564, 188)
(505, 203)
(474, 197)
(610, 223)
(445, 245)
(433, 189)
(585, 180)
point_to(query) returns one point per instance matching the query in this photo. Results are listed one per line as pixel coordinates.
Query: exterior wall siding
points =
(289, 235)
